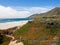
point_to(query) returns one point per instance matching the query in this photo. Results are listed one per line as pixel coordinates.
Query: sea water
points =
(12, 22)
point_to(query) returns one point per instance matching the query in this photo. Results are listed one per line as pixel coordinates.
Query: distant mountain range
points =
(52, 13)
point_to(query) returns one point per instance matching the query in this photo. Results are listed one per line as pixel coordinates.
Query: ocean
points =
(12, 22)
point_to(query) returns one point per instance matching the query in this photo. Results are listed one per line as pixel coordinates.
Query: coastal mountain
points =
(52, 13)
(41, 31)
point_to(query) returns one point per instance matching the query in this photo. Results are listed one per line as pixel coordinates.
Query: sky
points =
(25, 8)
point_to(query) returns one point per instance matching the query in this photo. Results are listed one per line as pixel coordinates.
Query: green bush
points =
(53, 29)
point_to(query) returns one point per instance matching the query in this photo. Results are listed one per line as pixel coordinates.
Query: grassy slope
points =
(36, 33)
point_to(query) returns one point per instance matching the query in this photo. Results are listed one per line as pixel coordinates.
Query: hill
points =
(52, 13)
(41, 32)
(37, 33)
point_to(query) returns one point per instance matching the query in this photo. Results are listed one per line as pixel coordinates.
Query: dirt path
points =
(11, 37)
(14, 42)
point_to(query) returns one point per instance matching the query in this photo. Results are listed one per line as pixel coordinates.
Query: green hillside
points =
(40, 31)
(37, 33)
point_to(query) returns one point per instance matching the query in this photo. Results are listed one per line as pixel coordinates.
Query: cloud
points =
(20, 12)
(33, 10)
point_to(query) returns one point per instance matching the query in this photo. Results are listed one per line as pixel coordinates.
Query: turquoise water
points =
(14, 20)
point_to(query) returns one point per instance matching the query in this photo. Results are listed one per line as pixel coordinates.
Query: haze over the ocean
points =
(25, 8)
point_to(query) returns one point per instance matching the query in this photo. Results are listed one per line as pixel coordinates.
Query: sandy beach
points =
(12, 24)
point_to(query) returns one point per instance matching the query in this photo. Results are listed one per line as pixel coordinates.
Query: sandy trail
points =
(11, 37)
(14, 42)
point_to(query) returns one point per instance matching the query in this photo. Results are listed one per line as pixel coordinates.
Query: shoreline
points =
(4, 26)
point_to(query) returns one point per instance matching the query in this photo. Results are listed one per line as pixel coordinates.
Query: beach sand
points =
(11, 24)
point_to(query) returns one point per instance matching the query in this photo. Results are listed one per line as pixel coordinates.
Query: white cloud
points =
(33, 10)
(20, 12)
